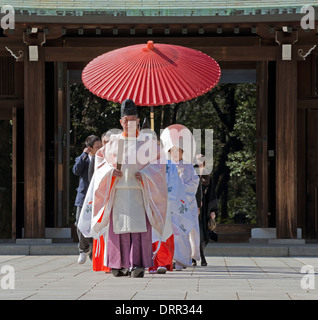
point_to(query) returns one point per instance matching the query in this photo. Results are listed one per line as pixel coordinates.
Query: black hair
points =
(90, 140)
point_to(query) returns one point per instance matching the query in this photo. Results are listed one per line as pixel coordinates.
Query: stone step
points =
(261, 250)
(239, 237)
(212, 249)
(39, 249)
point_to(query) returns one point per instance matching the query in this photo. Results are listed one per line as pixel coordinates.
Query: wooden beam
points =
(104, 18)
(307, 103)
(190, 41)
(11, 103)
(286, 147)
(261, 144)
(86, 54)
(34, 147)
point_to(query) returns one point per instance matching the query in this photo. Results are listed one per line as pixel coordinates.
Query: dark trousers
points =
(84, 243)
(202, 245)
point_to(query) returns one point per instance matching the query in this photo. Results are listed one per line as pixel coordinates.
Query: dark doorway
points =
(312, 174)
(5, 179)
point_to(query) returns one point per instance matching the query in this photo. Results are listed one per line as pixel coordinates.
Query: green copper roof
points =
(155, 8)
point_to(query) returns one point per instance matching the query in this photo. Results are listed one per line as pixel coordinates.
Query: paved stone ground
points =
(231, 278)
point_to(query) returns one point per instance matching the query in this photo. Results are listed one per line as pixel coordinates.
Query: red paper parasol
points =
(151, 74)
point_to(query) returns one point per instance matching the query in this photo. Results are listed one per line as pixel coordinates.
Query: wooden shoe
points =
(120, 272)
(137, 272)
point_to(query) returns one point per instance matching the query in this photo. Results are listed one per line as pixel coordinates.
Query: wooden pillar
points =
(14, 174)
(34, 146)
(261, 144)
(286, 147)
(61, 164)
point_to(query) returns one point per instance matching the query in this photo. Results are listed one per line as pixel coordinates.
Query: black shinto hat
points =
(128, 108)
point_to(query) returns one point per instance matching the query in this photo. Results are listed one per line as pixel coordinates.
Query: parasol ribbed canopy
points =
(151, 74)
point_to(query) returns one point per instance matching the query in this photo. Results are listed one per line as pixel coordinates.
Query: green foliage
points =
(90, 115)
(242, 163)
(230, 110)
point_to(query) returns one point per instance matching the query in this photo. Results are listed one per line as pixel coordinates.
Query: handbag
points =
(213, 236)
(212, 226)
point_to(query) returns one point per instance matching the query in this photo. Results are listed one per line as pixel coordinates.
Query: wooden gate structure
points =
(51, 37)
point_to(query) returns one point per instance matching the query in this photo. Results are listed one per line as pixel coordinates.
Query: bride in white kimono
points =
(179, 146)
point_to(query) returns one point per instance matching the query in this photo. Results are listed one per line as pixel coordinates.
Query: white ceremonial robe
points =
(179, 219)
(107, 194)
(190, 181)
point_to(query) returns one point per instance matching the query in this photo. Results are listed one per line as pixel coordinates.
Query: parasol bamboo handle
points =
(152, 120)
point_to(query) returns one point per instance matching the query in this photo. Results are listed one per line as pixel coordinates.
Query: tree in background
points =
(230, 110)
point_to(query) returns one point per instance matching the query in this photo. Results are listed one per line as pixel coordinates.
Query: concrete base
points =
(26, 241)
(263, 233)
(14, 249)
(268, 235)
(58, 233)
(39, 249)
(212, 249)
(286, 241)
(55, 249)
(261, 249)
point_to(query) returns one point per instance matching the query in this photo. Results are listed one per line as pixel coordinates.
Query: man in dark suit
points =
(208, 206)
(84, 168)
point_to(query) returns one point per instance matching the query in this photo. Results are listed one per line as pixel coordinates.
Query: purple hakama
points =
(129, 249)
